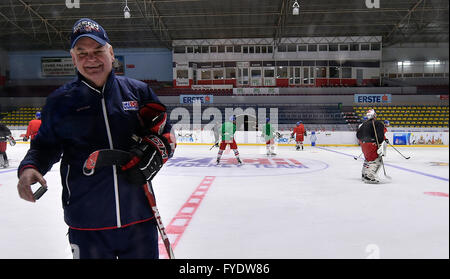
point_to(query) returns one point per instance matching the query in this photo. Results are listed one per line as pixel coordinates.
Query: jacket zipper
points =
(67, 185)
(111, 146)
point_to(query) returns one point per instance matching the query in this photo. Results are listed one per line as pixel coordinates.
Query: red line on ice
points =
(180, 222)
(437, 194)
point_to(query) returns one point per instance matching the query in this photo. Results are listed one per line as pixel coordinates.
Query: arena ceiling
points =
(46, 24)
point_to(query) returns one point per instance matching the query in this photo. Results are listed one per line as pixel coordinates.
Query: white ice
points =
(323, 210)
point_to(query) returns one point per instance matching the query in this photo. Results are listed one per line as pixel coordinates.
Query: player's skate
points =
(239, 161)
(5, 164)
(218, 161)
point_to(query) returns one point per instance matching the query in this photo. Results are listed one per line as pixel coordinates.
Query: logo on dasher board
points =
(258, 166)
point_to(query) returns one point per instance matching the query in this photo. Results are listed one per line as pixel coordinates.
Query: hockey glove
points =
(11, 140)
(153, 118)
(381, 151)
(147, 158)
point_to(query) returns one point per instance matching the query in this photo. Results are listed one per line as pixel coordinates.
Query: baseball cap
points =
(86, 27)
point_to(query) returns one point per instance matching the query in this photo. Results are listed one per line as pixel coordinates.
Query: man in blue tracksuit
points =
(107, 213)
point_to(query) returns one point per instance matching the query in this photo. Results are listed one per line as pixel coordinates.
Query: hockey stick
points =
(109, 157)
(162, 230)
(378, 146)
(215, 145)
(399, 151)
(356, 158)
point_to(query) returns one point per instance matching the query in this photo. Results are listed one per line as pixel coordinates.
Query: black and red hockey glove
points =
(146, 159)
(152, 117)
(153, 148)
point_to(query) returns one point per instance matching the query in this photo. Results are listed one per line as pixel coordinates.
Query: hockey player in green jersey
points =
(268, 133)
(227, 132)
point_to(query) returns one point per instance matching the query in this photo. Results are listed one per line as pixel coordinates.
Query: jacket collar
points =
(109, 82)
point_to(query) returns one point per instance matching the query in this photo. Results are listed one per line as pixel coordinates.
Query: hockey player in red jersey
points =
(299, 132)
(33, 127)
(371, 138)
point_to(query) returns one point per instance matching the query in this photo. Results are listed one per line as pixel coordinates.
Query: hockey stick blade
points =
(103, 158)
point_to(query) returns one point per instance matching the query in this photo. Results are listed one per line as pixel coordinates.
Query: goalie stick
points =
(399, 151)
(378, 146)
(109, 157)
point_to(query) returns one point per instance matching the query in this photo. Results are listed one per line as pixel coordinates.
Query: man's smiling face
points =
(93, 60)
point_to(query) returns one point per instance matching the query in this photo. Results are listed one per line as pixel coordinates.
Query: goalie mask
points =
(371, 114)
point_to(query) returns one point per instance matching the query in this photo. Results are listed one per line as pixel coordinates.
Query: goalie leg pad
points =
(370, 169)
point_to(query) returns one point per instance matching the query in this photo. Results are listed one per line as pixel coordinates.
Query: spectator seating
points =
(20, 117)
(409, 116)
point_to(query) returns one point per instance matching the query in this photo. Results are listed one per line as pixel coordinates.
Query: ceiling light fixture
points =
(295, 8)
(126, 10)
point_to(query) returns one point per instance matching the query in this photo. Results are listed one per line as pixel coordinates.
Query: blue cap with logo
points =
(86, 27)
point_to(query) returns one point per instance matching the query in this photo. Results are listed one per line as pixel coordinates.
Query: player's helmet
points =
(267, 120)
(386, 123)
(232, 118)
(299, 122)
(371, 114)
(38, 115)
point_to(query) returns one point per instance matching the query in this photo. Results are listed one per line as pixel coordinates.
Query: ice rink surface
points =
(307, 204)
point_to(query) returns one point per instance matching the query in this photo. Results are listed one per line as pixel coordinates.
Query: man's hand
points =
(147, 158)
(27, 178)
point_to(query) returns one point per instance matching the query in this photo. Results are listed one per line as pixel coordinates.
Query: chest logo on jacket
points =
(130, 105)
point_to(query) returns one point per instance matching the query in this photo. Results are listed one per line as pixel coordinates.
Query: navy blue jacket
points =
(78, 119)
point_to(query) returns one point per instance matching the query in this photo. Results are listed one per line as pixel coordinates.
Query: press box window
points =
(205, 49)
(292, 48)
(230, 73)
(218, 74)
(323, 47)
(334, 72)
(365, 47)
(182, 74)
(190, 49)
(321, 72)
(343, 47)
(333, 47)
(301, 47)
(282, 48)
(179, 49)
(205, 74)
(375, 46)
(346, 72)
(282, 72)
(354, 47)
(312, 48)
